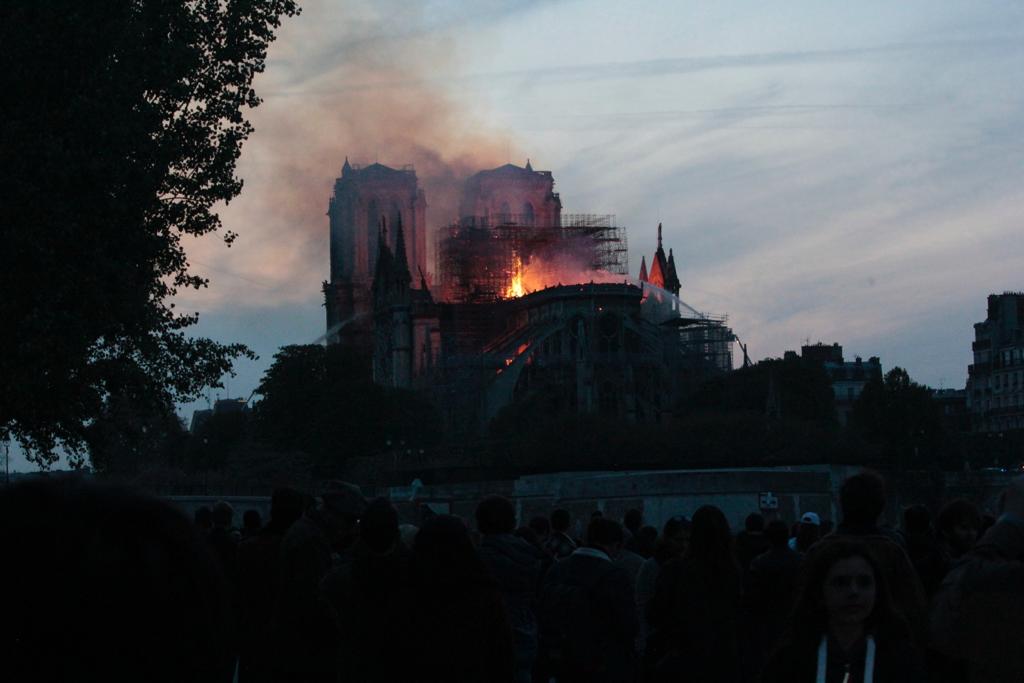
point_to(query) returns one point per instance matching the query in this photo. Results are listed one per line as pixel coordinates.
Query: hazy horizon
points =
(834, 173)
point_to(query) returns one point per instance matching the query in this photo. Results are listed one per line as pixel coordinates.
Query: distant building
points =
(223, 406)
(995, 380)
(953, 407)
(848, 378)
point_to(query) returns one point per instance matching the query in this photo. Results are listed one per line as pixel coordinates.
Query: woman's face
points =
(849, 591)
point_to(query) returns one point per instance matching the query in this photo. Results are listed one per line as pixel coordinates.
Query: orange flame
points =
(515, 288)
(537, 274)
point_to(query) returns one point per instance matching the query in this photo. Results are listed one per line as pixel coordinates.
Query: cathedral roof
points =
(511, 170)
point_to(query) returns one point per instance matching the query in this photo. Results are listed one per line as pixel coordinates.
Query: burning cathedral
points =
(524, 299)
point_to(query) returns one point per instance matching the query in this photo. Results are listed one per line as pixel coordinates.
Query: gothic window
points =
(527, 214)
(609, 326)
(506, 213)
(608, 400)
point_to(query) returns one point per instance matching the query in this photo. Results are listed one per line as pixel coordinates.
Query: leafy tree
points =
(119, 134)
(213, 442)
(802, 391)
(130, 432)
(899, 414)
(322, 400)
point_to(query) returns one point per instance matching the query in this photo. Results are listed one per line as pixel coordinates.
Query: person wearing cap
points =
(304, 627)
(807, 534)
(861, 502)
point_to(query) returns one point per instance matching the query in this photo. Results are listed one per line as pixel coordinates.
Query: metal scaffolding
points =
(479, 256)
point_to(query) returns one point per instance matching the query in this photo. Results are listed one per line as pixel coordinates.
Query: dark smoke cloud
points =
(309, 123)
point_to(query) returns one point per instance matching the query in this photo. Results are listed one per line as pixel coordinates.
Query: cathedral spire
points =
(346, 168)
(643, 269)
(528, 166)
(671, 277)
(658, 275)
(383, 270)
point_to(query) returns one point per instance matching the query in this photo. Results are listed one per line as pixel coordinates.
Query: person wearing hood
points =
(977, 615)
(862, 501)
(516, 566)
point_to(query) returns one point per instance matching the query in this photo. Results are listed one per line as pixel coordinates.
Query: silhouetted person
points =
(223, 539)
(589, 614)
(517, 566)
(845, 624)
(862, 500)
(458, 629)
(670, 546)
(367, 595)
(645, 540)
(203, 518)
(106, 584)
(978, 613)
(560, 544)
(751, 541)
(541, 526)
(808, 532)
(987, 522)
(631, 522)
(827, 527)
(408, 532)
(770, 592)
(958, 524)
(923, 548)
(304, 627)
(252, 522)
(695, 610)
(259, 586)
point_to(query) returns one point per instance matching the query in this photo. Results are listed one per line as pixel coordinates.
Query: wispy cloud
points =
(863, 193)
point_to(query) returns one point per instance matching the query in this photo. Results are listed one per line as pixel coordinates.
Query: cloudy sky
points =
(849, 172)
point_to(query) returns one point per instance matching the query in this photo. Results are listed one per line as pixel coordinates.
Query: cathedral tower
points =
(363, 197)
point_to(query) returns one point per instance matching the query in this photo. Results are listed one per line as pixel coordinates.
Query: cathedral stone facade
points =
(364, 198)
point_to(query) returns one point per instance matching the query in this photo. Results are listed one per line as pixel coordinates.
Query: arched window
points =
(506, 213)
(527, 214)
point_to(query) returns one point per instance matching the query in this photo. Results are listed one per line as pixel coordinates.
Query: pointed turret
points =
(529, 167)
(643, 269)
(672, 283)
(383, 272)
(346, 168)
(659, 266)
(402, 274)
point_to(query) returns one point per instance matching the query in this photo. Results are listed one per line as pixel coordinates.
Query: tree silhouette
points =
(900, 415)
(323, 401)
(119, 134)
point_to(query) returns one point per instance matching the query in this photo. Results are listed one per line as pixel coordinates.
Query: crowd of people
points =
(106, 584)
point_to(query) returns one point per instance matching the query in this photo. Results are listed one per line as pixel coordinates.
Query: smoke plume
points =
(365, 80)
